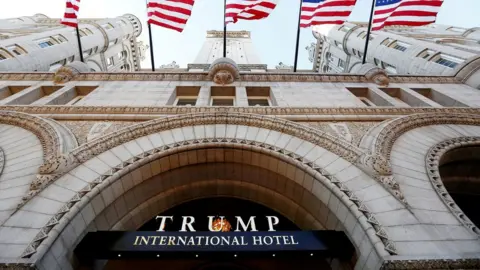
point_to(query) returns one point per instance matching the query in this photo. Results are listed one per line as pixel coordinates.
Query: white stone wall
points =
(282, 94)
(126, 28)
(461, 43)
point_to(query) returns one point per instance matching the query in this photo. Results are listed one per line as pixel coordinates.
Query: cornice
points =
(173, 110)
(203, 76)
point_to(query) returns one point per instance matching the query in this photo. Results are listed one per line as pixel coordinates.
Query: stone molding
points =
(388, 134)
(433, 264)
(432, 161)
(2, 161)
(344, 193)
(173, 110)
(317, 137)
(246, 76)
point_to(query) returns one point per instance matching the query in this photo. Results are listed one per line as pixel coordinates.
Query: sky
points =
(274, 38)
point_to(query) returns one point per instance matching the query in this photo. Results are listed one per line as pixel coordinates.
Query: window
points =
(110, 61)
(87, 53)
(113, 42)
(338, 44)
(16, 49)
(448, 61)
(57, 65)
(183, 101)
(398, 45)
(4, 54)
(46, 43)
(377, 62)
(341, 63)
(329, 57)
(87, 31)
(372, 37)
(344, 28)
(362, 35)
(126, 37)
(366, 101)
(222, 96)
(456, 29)
(108, 26)
(60, 38)
(223, 101)
(259, 96)
(386, 41)
(425, 54)
(389, 68)
(71, 58)
(125, 67)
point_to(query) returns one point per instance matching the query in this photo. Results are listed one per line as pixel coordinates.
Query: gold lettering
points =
(171, 241)
(136, 241)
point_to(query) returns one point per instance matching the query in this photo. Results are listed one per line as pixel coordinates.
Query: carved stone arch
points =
(151, 141)
(55, 138)
(379, 140)
(432, 159)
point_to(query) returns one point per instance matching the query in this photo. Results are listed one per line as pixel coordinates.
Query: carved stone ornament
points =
(223, 71)
(66, 73)
(172, 65)
(378, 76)
(281, 65)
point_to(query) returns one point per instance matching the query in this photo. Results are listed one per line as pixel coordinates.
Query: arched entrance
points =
(306, 175)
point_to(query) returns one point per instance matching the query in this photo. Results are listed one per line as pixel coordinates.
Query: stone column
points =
(203, 96)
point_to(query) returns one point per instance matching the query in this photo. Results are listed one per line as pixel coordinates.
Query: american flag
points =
(315, 12)
(71, 13)
(248, 9)
(405, 12)
(171, 14)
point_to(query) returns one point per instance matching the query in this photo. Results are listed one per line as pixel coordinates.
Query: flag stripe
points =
(248, 10)
(70, 18)
(405, 12)
(170, 14)
(315, 12)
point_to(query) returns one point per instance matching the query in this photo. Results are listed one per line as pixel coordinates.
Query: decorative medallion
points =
(223, 71)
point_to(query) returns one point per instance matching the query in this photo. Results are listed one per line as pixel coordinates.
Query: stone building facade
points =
(38, 43)
(386, 158)
(427, 50)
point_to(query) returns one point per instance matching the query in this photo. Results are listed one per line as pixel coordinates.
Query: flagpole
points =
(224, 28)
(151, 46)
(79, 43)
(152, 59)
(368, 32)
(298, 37)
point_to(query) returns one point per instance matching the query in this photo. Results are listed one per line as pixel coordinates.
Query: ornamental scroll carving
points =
(432, 160)
(68, 72)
